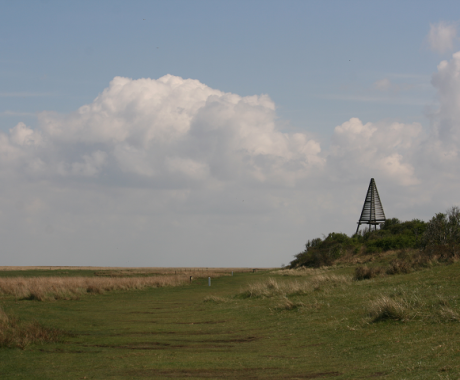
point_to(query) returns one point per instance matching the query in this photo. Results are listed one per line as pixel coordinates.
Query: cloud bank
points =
(173, 172)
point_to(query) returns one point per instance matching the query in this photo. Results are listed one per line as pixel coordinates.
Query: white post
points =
(209, 281)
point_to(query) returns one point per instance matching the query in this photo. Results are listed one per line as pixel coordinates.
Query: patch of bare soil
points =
(61, 351)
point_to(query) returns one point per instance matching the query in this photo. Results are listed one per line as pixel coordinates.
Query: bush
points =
(443, 229)
(366, 273)
(320, 252)
(399, 266)
(392, 242)
(439, 239)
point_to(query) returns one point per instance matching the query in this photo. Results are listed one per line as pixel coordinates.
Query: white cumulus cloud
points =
(168, 129)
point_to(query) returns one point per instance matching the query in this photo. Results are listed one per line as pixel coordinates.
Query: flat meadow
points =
(137, 323)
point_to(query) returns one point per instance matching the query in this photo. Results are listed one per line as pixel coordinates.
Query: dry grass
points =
(385, 308)
(162, 270)
(366, 273)
(405, 306)
(15, 333)
(273, 288)
(54, 288)
(446, 313)
(301, 271)
(287, 304)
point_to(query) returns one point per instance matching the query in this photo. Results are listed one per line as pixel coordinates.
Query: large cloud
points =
(172, 172)
(168, 130)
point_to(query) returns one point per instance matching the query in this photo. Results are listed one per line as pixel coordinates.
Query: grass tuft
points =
(386, 308)
(287, 304)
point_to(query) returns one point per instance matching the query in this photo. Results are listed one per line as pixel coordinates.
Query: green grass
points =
(348, 330)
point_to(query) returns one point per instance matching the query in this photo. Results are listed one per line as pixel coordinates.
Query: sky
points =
(219, 133)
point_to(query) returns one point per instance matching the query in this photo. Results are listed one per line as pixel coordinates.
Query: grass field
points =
(310, 324)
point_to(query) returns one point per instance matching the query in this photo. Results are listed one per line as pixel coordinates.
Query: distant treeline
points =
(441, 233)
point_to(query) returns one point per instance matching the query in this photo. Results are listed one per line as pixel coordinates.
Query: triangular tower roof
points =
(372, 212)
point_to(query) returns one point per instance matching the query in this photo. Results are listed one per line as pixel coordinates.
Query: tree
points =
(443, 229)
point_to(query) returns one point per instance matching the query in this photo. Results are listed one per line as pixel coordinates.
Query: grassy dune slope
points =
(259, 325)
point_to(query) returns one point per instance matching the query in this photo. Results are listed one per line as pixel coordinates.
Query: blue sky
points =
(346, 91)
(316, 59)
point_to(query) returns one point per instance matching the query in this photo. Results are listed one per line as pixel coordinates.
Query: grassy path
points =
(171, 333)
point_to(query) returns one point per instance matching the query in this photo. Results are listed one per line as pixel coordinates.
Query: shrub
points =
(399, 266)
(392, 242)
(366, 273)
(320, 252)
(392, 235)
(443, 229)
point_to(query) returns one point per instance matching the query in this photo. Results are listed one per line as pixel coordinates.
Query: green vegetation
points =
(422, 244)
(300, 323)
(393, 235)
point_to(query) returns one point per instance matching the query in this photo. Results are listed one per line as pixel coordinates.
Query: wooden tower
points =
(372, 213)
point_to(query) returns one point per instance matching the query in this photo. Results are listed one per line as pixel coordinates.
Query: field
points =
(271, 324)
